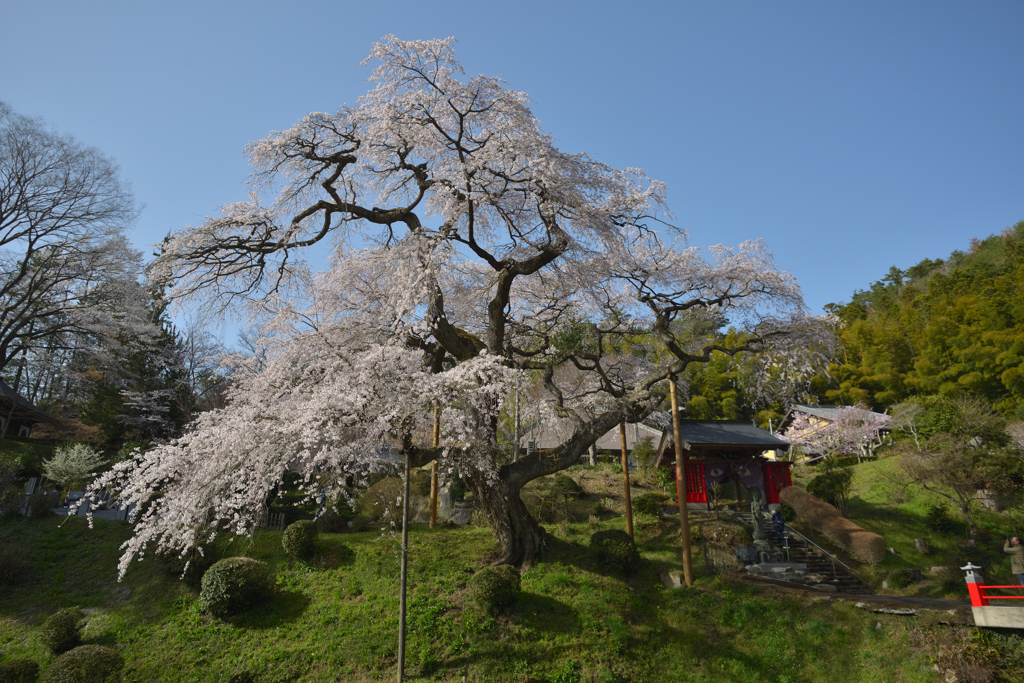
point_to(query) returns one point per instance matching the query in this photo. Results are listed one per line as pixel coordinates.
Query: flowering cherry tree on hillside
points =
(470, 257)
(852, 430)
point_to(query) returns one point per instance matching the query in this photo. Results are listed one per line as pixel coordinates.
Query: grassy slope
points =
(899, 514)
(336, 618)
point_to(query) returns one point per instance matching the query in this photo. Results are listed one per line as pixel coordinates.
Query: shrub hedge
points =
(18, 671)
(61, 631)
(615, 549)
(496, 588)
(863, 545)
(93, 663)
(299, 539)
(233, 585)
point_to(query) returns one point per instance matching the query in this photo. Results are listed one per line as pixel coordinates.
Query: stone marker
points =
(920, 545)
(672, 580)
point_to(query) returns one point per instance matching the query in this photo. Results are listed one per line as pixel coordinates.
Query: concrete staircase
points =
(819, 562)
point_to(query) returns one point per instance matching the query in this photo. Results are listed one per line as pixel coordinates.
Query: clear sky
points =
(850, 136)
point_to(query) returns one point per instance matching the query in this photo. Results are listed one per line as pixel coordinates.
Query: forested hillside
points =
(942, 327)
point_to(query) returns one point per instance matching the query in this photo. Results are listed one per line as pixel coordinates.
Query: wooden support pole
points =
(404, 576)
(433, 465)
(684, 521)
(625, 479)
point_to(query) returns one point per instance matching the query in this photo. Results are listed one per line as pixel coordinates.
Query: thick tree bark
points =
(518, 534)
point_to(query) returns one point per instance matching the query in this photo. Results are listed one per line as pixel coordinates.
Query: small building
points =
(818, 430)
(715, 452)
(726, 451)
(21, 413)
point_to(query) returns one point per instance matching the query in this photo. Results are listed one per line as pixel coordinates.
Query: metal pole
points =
(684, 522)
(433, 465)
(625, 479)
(405, 564)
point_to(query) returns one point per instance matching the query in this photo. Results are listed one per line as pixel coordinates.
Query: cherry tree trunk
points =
(517, 532)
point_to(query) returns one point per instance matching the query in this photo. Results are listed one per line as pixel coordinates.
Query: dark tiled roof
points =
(727, 433)
(24, 409)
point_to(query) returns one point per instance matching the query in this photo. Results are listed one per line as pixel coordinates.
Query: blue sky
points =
(850, 136)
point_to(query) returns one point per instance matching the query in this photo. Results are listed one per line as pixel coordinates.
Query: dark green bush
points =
(299, 539)
(457, 488)
(615, 549)
(11, 500)
(649, 503)
(665, 478)
(12, 565)
(61, 631)
(93, 663)
(496, 588)
(938, 521)
(788, 513)
(234, 585)
(901, 578)
(565, 486)
(419, 483)
(833, 485)
(42, 504)
(335, 519)
(18, 671)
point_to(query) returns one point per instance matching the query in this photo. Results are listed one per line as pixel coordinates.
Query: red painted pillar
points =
(975, 586)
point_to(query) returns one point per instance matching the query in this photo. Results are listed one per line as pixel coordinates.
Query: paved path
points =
(908, 601)
(891, 600)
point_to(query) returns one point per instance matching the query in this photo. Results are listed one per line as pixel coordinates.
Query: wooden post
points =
(433, 465)
(684, 522)
(405, 564)
(625, 479)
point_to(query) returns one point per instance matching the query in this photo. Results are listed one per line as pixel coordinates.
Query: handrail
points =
(834, 558)
(985, 592)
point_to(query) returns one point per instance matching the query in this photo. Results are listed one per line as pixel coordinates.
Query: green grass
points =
(336, 618)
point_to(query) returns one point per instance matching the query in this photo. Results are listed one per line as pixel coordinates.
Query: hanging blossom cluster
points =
(321, 408)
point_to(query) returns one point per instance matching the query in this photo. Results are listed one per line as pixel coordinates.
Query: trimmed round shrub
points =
(93, 663)
(615, 549)
(299, 539)
(565, 486)
(496, 588)
(233, 585)
(18, 671)
(61, 631)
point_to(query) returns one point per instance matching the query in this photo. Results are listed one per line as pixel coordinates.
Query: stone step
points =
(816, 560)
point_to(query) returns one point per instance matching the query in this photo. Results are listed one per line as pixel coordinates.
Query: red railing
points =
(980, 594)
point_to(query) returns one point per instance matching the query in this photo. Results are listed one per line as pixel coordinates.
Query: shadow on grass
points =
(545, 614)
(567, 552)
(284, 607)
(334, 556)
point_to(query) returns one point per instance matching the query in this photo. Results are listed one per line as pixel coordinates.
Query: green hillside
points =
(335, 618)
(947, 326)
